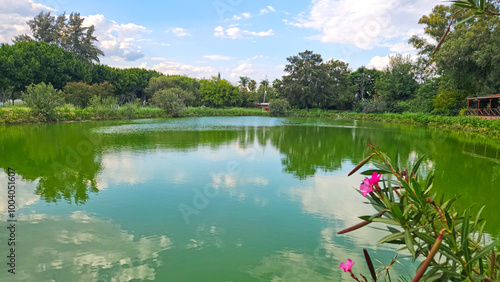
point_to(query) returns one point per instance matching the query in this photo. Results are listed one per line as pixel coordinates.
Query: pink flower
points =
(366, 187)
(347, 266)
(73, 113)
(375, 178)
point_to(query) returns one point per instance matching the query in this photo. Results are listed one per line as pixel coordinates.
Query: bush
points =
(371, 106)
(43, 100)
(104, 108)
(169, 101)
(78, 94)
(279, 107)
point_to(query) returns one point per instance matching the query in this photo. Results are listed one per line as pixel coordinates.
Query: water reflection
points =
(82, 247)
(276, 193)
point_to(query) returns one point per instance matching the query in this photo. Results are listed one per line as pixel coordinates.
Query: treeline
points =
(465, 65)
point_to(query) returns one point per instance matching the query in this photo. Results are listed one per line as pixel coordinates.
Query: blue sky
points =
(234, 37)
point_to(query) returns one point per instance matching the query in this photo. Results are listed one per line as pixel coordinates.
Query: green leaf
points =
(486, 250)
(396, 212)
(416, 166)
(386, 221)
(371, 171)
(409, 243)
(392, 237)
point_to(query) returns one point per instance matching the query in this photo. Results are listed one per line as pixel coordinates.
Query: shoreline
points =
(489, 127)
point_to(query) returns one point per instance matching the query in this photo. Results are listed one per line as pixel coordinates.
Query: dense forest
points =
(59, 62)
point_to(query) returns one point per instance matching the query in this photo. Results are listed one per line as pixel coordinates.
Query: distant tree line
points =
(62, 53)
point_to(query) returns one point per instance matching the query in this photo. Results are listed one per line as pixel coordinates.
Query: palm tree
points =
(244, 81)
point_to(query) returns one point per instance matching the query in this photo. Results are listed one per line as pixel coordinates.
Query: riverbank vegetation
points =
(61, 53)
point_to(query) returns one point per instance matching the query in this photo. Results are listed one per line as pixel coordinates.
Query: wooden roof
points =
(494, 96)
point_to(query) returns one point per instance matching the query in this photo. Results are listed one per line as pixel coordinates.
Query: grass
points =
(467, 123)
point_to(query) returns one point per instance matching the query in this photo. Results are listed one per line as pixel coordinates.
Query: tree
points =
(301, 83)
(66, 32)
(335, 90)
(468, 61)
(244, 80)
(25, 63)
(43, 100)
(397, 83)
(218, 93)
(169, 100)
(189, 85)
(364, 79)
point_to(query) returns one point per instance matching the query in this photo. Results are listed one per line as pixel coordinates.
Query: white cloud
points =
(378, 62)
(401, 47)
(266, 10)
(236, 32)
(246, 15)
(381, 63)
(117, 41)
(217, 57)
(365, 23)
(15, 14)
(179, 31)
(175, 68)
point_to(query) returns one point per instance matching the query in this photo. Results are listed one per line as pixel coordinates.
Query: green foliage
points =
(104, 107)
(43, 100)
(77, 93)
(397, 83)
(129, 84)
(28, 63)
(371, 106)
(365, 79)
(205, 111)
(66, 32)
(450, 241)
(170, 101)
(310, 82)
(219, 93)
(302, 81)
(189, 86)
(279, 107)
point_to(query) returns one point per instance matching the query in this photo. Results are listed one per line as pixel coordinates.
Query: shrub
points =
(372, 106)
(169, 101)
(449, 241)
(279, 107)
(104, 108)
(43, 100)
(78, 94)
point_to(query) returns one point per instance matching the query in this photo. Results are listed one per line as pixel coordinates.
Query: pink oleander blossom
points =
(366, 187)
(375, 178)
(347, 265)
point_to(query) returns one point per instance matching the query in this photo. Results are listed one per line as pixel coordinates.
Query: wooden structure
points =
(483, 106)
(263, 106)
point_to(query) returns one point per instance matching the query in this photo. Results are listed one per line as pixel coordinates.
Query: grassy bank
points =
(451, 122)
(22, 115)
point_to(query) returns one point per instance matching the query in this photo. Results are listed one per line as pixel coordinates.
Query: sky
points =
(234, 37)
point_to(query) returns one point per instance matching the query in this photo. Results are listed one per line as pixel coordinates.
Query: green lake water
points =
(215, 198)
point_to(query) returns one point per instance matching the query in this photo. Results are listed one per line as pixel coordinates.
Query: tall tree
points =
(364, 79)
(397, 82)
(66, 32)
(301, 82)
(335, 89)
(26, 63)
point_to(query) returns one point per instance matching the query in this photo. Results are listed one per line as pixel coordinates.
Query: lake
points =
(216, 198)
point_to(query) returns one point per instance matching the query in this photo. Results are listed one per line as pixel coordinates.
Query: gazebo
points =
(483, 106)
